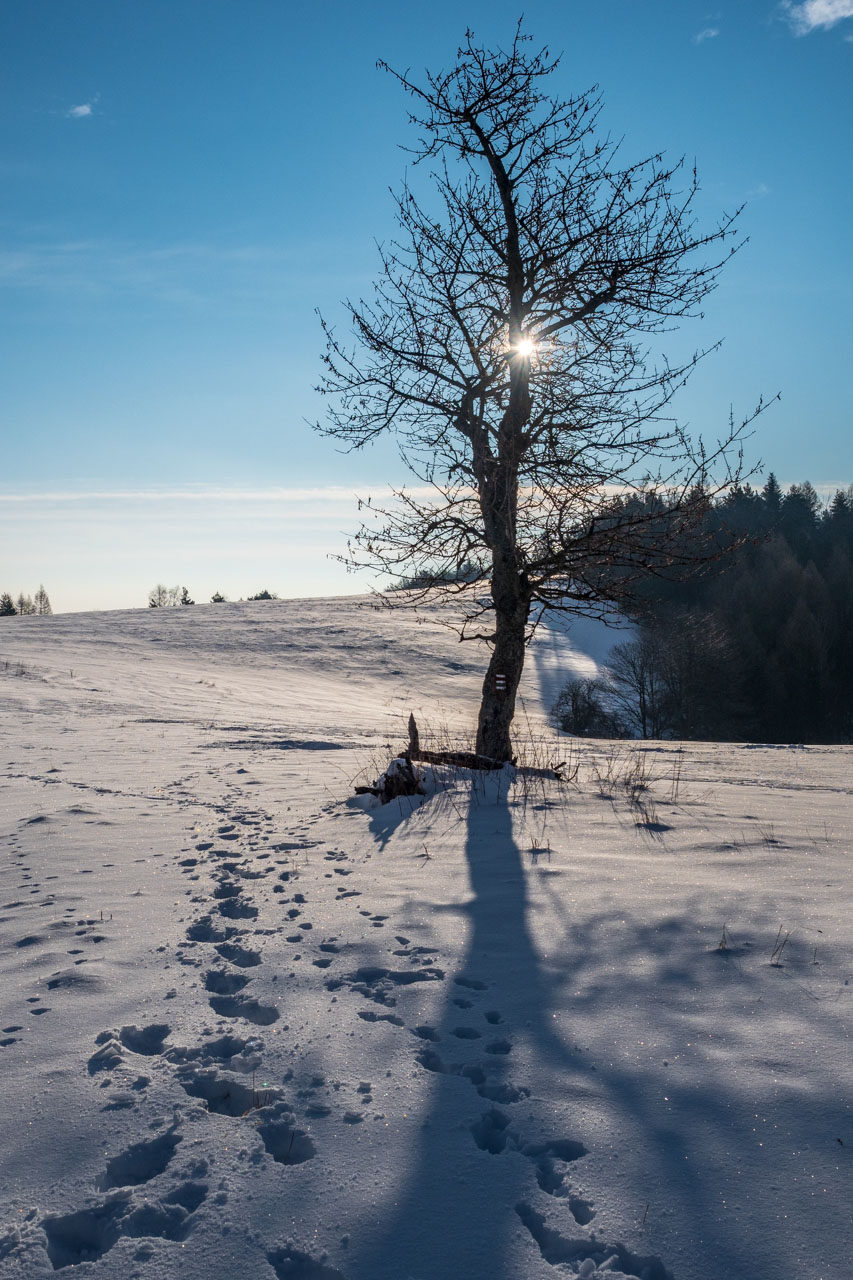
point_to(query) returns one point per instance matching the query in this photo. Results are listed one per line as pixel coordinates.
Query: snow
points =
(253, 1025)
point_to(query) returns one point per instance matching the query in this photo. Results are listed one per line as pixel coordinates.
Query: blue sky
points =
(185, 181)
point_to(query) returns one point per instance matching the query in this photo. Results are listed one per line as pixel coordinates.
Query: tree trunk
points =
(497, 707)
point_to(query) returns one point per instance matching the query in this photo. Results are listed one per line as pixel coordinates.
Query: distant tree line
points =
(163, 597)
(464, 574)
(37, 604)
(759, 646)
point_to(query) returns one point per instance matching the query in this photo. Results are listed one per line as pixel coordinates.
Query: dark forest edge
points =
(758, 647)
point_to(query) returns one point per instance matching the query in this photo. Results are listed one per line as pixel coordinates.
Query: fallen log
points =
(401, 778)
(462, 759)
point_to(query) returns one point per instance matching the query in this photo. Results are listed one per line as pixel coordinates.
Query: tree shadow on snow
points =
(384, 819)
(438, 1227)
(482, 1194)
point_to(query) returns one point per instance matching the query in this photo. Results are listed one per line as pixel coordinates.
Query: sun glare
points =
(525, 348)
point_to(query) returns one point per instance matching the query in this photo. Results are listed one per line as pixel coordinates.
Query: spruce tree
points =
(772, 495)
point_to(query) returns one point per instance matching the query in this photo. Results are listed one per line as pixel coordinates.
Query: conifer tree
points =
(772, 495)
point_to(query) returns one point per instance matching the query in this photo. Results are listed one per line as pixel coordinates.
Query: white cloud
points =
(83, 110)
(709, 33)
(812, 15)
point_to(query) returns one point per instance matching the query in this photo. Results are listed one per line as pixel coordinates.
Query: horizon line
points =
(322, 493)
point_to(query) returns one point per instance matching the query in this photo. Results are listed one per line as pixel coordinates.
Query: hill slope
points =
(253, 1027)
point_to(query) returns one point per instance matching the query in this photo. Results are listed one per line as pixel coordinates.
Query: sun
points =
(525, 348)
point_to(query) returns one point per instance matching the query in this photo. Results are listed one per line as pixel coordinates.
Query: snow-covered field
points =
(251, 1027)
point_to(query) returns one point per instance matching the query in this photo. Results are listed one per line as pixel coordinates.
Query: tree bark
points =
(497, 706)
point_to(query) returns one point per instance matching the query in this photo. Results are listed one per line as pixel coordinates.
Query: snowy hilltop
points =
(252, 1025)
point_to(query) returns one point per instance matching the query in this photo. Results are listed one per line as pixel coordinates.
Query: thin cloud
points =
(83, 110)
(241, 278)
(815, 15)
(200, 493)
(709, 33)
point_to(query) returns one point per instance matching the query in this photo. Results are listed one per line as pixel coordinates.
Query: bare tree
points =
(508, 346)
(163, 597)
(41, 600)
(638, 684)
(584, 708)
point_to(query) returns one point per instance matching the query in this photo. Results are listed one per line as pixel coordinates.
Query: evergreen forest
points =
(758, 646)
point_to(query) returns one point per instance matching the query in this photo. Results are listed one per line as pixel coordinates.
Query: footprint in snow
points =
(281, 1138)
(368, 1015)
(146, 1041)
(227, 889)
(588, 1257)
(88, 1234)
(230, 1051)
(501, 1091)
(243, 957)
(140, 1162)
(241, 1006)
(222, 983)
(224, 1094)
(236, 909)
(290, 1263)
(499, 1047)
(204, 930)
(492, 1133)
